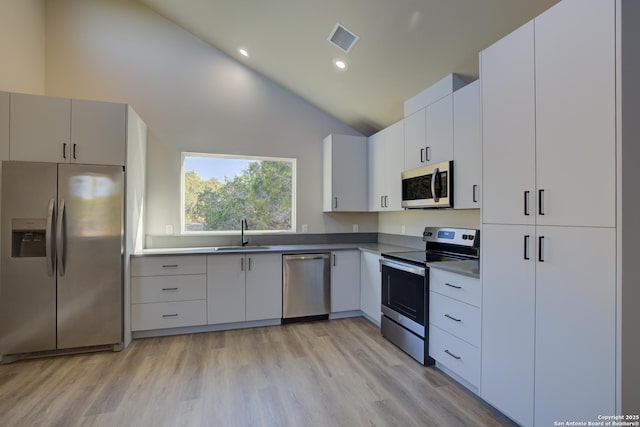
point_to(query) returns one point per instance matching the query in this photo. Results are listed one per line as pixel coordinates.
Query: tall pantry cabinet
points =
(549, 216)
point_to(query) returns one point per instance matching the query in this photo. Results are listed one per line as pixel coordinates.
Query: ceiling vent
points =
(342, 37)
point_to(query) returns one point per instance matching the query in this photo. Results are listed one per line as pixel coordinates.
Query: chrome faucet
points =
(243, 225)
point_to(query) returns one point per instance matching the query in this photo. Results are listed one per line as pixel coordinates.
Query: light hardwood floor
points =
(330, 373)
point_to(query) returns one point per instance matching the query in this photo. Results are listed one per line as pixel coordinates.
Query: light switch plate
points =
(305, 228)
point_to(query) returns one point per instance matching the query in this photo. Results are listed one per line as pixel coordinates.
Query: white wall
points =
(192, 96)
(22, 46)
(415, 221)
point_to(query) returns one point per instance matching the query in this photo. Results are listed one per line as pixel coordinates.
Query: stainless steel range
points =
(405, 286)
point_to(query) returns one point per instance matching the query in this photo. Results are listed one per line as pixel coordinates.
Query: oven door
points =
(404, 294)
(428, 187)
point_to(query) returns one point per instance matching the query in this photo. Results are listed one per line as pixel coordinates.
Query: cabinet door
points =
(345, 173)
(225, 288)
(508, 127)
(415, 139)
(98, 132)
(575, 113)
(370, 286)
(440, 130)
(376, 171)
(508, 319)
(394, 165)
(264, 286)
(467, 147)
(40, 128)
(575, 324)
(345, 281)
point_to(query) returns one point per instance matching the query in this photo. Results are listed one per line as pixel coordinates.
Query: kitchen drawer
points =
(463, 288)
(168, 288)
(163, 315)
(168, 265)
(458, 356)
(457, 318)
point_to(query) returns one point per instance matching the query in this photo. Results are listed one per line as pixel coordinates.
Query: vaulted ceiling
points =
(404, 46)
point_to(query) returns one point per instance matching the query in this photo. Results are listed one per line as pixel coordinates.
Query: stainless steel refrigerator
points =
(61, 279)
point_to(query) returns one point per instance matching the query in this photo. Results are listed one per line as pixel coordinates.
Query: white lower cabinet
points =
(548, 325)
(454, 324)
(370, 285)
(165, 315)
(345, 281)
(168, 292)
(243, 287)
(455, 354)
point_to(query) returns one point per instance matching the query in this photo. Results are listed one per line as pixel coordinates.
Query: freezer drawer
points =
(306, 285)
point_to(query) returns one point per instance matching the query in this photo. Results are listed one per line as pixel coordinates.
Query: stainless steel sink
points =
(239, 248)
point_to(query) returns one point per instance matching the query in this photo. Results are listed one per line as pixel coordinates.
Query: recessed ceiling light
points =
(340, 64)
(243, 52)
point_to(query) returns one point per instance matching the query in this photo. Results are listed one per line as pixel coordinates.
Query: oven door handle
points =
(403, 267)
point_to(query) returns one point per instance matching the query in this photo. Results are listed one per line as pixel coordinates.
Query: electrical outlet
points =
(168, 229)
(403, 229)
(305, 228)
(355, 228)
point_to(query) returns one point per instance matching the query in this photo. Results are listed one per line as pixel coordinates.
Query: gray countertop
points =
(371, 247)
(469, 268)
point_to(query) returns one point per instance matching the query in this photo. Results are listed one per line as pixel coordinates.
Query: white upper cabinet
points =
(440, 130)
(49, 129)
(415, 139)
(344, 161)
(98, 132)
(508, 129)
(40, 128)
(386, 163)
(467, 147)
(575, 117)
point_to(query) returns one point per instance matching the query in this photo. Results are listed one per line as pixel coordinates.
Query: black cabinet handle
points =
(541, 248)
(526, 202)
(422, 157)
(526, 246)
(474, 188)
(448, 316)
(540, 202)
(452, 355)
(170, 315)
(335, 202)
(74, 151)
(169, 289)
(453, 286)
(64, 150)
(169, 265)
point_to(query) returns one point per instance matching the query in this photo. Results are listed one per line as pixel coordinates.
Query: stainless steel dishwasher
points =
(306, 285)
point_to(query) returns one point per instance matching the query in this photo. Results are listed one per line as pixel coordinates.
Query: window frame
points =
(292, 161)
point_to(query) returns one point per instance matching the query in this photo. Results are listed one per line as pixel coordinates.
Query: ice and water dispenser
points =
(29, 238)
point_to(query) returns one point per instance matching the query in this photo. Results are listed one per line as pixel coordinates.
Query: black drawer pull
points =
(169, 265)
(169, 289)
(452, 318)
(453, 355)
(453, 286)
(170, 315)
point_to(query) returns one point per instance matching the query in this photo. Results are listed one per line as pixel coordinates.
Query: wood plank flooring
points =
(330, 373)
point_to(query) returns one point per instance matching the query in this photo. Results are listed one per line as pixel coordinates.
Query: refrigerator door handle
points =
(50, 248)
(61, 239)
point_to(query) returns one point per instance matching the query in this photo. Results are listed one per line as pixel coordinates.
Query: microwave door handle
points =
(434, 176)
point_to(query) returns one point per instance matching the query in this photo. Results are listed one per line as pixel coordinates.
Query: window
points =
(219, 190)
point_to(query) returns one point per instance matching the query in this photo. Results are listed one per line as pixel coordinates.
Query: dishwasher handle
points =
(306, 257)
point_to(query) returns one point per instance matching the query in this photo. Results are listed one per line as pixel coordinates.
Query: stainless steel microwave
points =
(428, 186)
